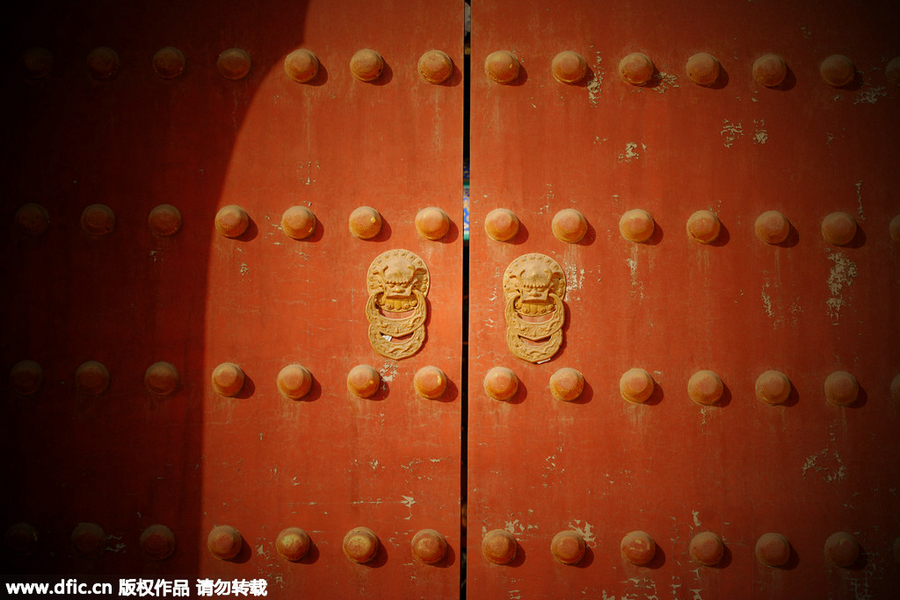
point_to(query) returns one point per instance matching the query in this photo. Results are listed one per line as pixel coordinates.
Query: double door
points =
(238, 277)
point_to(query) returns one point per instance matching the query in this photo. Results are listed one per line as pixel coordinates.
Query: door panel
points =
(199, 458)
(603, 467)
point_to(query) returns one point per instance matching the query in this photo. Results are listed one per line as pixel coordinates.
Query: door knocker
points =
(535, 288)
(397, 282)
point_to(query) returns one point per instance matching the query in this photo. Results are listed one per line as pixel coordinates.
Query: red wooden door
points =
(250, 427)
(707, 317)
(179, 382)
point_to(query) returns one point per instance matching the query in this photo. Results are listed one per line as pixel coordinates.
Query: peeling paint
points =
(645, 584)
(631, 152)
(870, 94)
(119, 547)
(411, 465)
(818, 463)
(574, 279)
(305, 172)
(842, 274)
(674, 587)
(769, 308)
(585, 529)
(388, 371)
(760, 136)
(859, 211)
(873, 572)
(731, 131)
(637, 286)
(767, 302)
(664, 81)
(595, 83)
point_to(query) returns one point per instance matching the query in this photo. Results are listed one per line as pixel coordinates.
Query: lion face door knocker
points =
(535, 288)
(397, 282)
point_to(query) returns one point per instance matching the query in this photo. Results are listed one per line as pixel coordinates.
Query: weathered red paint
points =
(206, 134)
(159, 288)
(741, 306)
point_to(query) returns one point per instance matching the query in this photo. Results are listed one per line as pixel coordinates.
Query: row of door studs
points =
(436, 67)
(432, 223)
(566, 384)
(224, 542)
(498, 546)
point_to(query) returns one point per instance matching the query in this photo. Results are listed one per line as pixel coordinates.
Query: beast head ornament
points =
(535, 288)
(397, 282)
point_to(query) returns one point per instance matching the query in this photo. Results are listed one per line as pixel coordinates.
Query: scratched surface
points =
(739, 307)
(258, 462)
